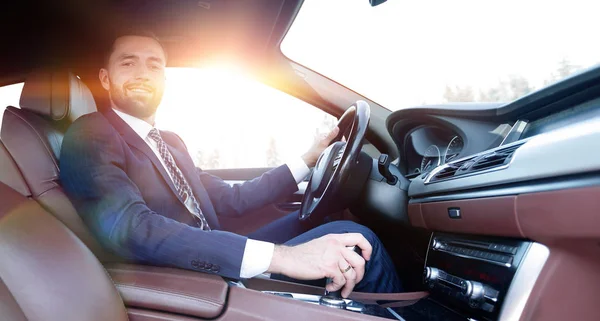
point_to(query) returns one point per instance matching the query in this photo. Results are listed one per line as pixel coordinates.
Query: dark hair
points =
(140, 32)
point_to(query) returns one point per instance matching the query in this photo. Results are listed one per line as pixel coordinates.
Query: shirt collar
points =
(139, 126)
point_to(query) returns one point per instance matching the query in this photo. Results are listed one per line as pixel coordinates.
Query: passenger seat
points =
(46, 272)
(10, 174)
(33, 135)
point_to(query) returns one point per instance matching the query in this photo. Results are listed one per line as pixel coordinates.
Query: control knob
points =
(431, 276)
(474, 292)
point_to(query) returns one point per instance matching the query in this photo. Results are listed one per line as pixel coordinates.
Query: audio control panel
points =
(483, 251)
(471, 274)
(476, 294)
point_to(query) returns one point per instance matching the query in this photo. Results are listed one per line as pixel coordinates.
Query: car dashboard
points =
(430, 146)
(509, 195)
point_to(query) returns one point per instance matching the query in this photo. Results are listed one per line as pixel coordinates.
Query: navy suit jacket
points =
(129, 202)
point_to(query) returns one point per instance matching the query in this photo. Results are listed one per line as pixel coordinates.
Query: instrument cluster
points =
(429, 147)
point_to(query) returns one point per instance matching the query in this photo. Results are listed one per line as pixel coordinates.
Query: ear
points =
(103, 75)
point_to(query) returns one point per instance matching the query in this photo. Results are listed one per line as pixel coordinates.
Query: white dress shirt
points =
(257, 254)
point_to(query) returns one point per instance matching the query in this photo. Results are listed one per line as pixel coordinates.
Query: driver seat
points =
(50, 102)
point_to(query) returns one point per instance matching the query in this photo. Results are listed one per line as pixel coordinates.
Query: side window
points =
(228, 120)
(9, 96)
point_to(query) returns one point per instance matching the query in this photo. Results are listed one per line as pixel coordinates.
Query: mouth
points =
(139, 89)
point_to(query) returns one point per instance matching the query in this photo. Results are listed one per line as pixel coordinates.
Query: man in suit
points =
(139, 192)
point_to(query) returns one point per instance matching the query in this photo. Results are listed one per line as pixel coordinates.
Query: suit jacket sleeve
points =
(92, 172)
(235, 200)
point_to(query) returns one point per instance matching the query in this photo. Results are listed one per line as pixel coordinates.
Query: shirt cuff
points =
(257, 258)
(299, 169)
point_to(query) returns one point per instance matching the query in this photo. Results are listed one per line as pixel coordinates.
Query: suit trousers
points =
(380, 273)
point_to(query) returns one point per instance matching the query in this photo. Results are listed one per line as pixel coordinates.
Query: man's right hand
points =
(324, 257)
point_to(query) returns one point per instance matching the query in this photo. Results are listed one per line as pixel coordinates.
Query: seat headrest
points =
(57, 95)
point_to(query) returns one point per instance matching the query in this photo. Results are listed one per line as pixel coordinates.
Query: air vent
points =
(485, 162)
(450, 169)
(494, 159)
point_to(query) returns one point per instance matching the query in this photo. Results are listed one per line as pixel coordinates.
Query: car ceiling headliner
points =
(76, 33)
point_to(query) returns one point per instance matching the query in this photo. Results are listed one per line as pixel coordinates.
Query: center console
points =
(472, 275)
(468, 278)
(482, 278)
(316, 295)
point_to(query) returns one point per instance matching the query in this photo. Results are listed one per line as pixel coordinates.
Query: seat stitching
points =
(185, 277)
(115, 285)
(182, 295)
(169, 290)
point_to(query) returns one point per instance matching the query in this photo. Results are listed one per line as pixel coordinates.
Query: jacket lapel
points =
(134, 140)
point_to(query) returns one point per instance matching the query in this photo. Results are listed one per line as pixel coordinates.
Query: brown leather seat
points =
(46, 272)
(33, 135)
(10, 174)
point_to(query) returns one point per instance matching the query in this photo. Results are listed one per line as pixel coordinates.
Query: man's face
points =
(135, 75)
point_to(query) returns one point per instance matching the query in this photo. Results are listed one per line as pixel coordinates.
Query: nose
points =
(142, 72)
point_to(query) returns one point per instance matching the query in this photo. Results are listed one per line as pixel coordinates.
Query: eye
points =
(155, 67)
(127, 64)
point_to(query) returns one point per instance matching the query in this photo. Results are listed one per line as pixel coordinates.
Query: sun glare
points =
(230, 120)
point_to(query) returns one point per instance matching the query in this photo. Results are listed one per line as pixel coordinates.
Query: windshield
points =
(404, 53)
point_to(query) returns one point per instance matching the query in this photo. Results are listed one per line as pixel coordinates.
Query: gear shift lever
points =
(334, 299)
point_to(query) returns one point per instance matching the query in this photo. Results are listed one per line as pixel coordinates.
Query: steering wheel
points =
(335, 164)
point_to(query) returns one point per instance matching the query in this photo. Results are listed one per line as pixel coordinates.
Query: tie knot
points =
(154, 135)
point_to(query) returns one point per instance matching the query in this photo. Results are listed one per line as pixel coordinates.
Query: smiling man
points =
(137, 189)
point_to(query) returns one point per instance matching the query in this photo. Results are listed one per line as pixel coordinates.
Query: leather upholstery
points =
(170, 290)
(34, 145)
(10, 174)
(56, 95)
(9, 308)
(9, 199)
(33, 138)
(49, 272)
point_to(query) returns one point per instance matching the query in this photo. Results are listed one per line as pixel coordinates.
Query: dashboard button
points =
(454, 213)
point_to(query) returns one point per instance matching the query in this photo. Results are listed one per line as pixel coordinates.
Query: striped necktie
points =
(181, 185)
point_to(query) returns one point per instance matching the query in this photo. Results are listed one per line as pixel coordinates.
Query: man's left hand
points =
(320, 144)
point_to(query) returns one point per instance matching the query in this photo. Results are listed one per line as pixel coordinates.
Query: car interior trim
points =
(530, 161)
(534, 186)
(523, 282)
(172, 290)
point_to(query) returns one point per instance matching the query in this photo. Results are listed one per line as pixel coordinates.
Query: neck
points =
(149, 119)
